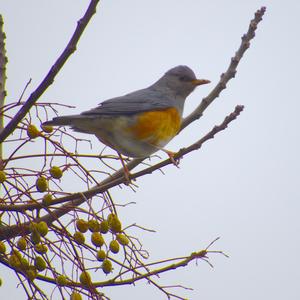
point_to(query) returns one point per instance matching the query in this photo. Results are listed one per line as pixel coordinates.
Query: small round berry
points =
(39, 263)
(97, 239)
(85, 278)
(114, 246)
(104, 227)
(82, 225)
(32, 131)
(2, 248)
(79, 237)
(41, 184)
(101, 255)
(31, 273)
(75, 296)
(114, 223)
(21, 243)
(94, 225)
(106, 266)
(61, 280)
(122, 239)
(56, 172)
(42, 228)
(40, 248)
(35, 237)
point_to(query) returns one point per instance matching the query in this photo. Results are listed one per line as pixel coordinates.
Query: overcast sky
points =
(242, 186)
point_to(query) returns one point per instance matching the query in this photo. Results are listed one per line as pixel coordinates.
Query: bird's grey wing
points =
(139, 101)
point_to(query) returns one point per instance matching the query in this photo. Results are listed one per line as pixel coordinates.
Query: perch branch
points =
(221, 85)
(78, 198)
(117, 178)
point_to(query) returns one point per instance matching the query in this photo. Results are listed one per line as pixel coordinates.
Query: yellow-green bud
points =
(79, 237)
(82, 225)
(42, 228)
(2, 248)
(94, 225)
(31, 273)
(22, 243)
(114, 223)
(41, 184)
(122, 239)
(61, 280)
(39, 263)
(97, 239)
(2, 176)
(35, 237)
(32, 131)
(14, 261)
(85, 278)
(114, 246)
(56, 172)
(24, 263)
(41, 248)
(75, 296)
(101, 255)
(104, 227)
(106, 266)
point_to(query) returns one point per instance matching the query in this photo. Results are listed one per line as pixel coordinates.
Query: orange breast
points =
(157, 127)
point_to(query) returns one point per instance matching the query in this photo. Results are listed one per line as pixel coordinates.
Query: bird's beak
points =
(200, 81)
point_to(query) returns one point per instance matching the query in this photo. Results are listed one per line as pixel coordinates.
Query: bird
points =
(139, 123)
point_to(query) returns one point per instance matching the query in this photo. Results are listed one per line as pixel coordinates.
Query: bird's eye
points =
(183, 78)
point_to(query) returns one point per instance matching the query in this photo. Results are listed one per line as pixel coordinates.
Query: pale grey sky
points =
(242, 186)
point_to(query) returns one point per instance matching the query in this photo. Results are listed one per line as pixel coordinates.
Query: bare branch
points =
(230, 72)
(49, 79)
(225, 77)
(3, 61)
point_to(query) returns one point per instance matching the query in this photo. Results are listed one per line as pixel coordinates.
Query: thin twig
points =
(49, 79)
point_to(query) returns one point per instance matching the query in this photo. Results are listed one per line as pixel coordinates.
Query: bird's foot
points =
(126, 171)
(172, 158)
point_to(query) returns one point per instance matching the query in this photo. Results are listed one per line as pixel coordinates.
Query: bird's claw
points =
(175, 161)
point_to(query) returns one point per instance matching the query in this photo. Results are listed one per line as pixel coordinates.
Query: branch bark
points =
(3, 61)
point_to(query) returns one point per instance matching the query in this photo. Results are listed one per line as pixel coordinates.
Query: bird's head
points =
(182, 80)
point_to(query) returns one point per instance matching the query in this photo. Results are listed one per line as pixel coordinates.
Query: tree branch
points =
(3, 61)
(117, 178)
(230, 72)
(221, 85)
(78, 198)
(49, 79)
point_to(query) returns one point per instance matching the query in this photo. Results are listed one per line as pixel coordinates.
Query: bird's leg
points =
(171, 156)
(126, 171)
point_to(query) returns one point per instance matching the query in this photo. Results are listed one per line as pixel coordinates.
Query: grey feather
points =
(170, 90)
(132, 103)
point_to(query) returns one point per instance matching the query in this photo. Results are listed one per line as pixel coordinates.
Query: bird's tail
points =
(62, 121)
